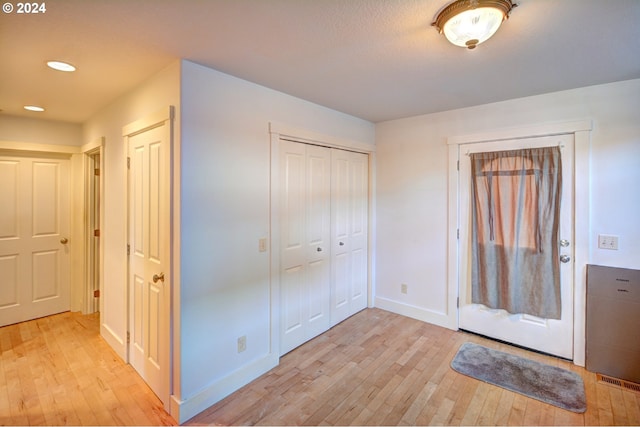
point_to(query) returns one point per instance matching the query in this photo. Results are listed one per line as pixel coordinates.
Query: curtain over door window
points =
(515, 222)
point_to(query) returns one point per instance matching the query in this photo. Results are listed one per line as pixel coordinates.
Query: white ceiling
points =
(374, 59)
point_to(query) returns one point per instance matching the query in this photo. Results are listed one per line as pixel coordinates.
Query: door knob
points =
(319, 249)
(341, 243)
(565, 258)
(64, 240)
(158, 277)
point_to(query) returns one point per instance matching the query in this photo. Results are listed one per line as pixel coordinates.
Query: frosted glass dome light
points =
(467, 23)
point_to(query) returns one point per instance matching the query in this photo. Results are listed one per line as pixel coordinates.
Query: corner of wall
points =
(437, 318)
(183, 410)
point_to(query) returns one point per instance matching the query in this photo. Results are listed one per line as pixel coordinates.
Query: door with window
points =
(545, 329)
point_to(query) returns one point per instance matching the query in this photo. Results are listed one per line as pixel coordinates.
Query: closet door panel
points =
(349, 202)
(293, 247)
(305, 234)
(318, 235)
(323, 234)
(340, 225)
(291, 291)
(358, 296)
(358, 241)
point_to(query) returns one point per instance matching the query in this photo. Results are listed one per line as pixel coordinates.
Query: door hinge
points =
(458, 302)
(96, 172)
(128, 337)
(96, 233)
(458, 234)
(458, 165)
(96, 293)
(128, 249)
(128, 162)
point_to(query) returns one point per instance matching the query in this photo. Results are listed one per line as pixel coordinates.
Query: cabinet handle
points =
(341, 243)
(319, 249)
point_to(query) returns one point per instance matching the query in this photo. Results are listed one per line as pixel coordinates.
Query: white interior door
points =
(305, 234)
(349, 223)
(546, 335)
(149, 256)
(34, 233)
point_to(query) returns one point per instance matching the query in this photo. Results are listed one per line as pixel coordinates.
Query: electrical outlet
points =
(403, 288)
(606, 241)
(242, 343)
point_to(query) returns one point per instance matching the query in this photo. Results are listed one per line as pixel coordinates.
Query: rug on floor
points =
(549, 384)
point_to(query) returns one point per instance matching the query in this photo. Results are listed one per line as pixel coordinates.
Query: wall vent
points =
(618, 382)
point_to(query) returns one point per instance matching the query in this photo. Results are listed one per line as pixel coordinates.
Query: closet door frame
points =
(279, 131)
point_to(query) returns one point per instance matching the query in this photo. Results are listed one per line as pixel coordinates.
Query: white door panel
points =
(358, 241)
(323, 241)
(34, 232)
(349, 204)
(149, 256)
(305, 217)
(546, 335)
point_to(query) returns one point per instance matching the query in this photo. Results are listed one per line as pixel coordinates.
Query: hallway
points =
(58, 371)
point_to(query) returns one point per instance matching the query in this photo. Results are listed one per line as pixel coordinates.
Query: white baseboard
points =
(116, 342)
(183, 410)
(430, 316)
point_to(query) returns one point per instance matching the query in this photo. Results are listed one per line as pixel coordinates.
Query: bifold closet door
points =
(305, 218)
(349, 227)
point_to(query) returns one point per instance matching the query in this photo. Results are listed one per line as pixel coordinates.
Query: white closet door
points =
(149, 285)
(349, 223)
(305, 233)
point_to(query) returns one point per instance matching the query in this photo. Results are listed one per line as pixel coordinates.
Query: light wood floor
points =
(58, 371)
(375, 368)
(378, 368)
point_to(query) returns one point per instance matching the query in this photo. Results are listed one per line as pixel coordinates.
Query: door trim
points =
(88, 150)
(582, 136)
(280, 131)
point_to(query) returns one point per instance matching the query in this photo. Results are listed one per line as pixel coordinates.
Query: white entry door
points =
(305, 271)
(149, 278)
(546, 335)
(34, 237)
(349, 225)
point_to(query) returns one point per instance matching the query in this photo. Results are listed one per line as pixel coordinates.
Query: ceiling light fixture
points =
(61, 66)
(34, 108)
(467, 23)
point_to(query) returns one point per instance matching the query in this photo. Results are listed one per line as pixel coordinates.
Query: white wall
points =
(412, 184)
(39, 131)
(160, 91)
(224, 283)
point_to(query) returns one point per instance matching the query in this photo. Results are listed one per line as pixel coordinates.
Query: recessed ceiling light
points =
(61, 66)
(33, 108)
